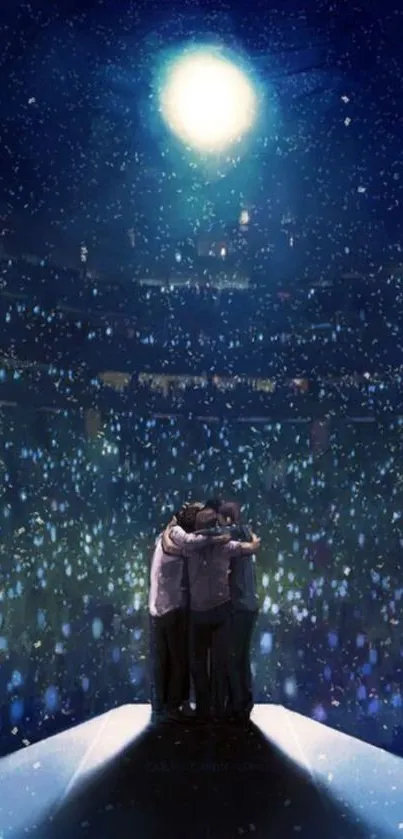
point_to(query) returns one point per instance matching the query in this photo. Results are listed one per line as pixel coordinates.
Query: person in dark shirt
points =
(244, 614)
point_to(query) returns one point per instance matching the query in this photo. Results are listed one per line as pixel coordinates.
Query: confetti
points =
(175, 327)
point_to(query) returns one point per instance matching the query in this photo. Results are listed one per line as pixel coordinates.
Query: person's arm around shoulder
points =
(243, 548)
(170, 544)
(176, 539)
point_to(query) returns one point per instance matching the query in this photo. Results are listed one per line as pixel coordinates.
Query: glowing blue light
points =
(16, 710)
(266, 643)
(51, 699)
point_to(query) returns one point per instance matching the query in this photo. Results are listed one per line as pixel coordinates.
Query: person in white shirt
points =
(168, 609)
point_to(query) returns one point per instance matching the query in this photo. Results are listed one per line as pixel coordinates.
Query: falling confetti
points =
(180, 326)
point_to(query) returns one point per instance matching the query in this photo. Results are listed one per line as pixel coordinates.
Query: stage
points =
(116, 776)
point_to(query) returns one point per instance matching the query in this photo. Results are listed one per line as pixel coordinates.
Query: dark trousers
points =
(170, 660)
(240, 675)
(210, 641)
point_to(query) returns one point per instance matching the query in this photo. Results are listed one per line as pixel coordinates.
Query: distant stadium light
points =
(207, 101)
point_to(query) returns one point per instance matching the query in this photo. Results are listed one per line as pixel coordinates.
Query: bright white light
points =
(207, 101)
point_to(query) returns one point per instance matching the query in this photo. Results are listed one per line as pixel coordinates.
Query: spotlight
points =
(207, 101)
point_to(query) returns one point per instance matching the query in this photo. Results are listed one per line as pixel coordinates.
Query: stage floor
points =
(286, 776)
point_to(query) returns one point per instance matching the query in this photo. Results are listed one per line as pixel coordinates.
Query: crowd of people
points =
(79, 522)
(57, 317)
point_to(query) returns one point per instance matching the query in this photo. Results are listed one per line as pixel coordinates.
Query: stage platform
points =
(116, 777)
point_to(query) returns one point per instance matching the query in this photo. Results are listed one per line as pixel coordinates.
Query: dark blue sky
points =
(85, 157)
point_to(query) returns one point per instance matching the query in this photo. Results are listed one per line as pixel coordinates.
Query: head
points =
(213, 504)
(206, 518)
(186, 516)
(231, 512)
(228, 511)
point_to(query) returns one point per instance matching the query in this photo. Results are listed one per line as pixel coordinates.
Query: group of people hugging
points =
(203, 608)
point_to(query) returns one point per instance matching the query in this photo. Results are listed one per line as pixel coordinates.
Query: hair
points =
(205, 518)
(186, 516)
(213, 504)
(231, 510)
